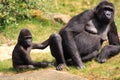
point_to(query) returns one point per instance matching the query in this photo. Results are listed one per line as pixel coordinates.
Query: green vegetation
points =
(16, 14)
(37, 28)
(31, 14)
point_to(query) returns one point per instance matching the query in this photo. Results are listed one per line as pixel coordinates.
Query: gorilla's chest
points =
(90, 39)
(94, 27)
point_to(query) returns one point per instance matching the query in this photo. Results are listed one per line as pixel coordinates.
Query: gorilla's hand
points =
(101, 58)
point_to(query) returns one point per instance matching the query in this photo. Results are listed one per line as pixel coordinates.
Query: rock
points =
(42, 75)
(61, 18)
(5, 52)
(57, 17)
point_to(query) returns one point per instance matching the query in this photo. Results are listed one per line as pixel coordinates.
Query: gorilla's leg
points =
(34, 65)
(90, 56)
(22, 67)
(55, 42)
(42, 64)
(107, 52)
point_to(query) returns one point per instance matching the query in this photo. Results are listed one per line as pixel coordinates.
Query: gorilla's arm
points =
(74, 27)
(113, 35)
(41, 45)
(112, 49)
(78, 22)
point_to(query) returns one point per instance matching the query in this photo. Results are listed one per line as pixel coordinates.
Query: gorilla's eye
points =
(28, 37)
(108, 9)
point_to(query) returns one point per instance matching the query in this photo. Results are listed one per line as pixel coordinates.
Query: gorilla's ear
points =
(96, 9)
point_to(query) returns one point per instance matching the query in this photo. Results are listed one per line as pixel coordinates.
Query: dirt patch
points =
(42, 75)
(6, 51)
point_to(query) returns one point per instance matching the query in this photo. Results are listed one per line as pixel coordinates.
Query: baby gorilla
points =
(21, 54)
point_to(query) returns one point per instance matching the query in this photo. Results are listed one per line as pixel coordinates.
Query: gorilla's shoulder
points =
(86, 13)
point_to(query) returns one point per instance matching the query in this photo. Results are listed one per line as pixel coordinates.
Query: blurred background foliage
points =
(16, 14)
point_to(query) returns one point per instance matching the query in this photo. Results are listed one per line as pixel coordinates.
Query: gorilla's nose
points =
(108, 14)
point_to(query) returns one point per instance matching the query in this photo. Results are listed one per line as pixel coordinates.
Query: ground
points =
(6, 51)
(42, 75)
(92, 71)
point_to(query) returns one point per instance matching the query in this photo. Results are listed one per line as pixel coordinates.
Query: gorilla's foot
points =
(61, 67)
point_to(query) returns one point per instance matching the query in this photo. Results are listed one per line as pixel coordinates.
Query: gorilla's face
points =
(105, 12)
(108, 13)
(28, 40)
(25, 38)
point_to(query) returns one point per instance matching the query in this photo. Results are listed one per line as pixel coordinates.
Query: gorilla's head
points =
(25, 38)
(104, 11)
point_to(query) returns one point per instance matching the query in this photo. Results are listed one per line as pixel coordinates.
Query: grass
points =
(93, 71)
(6, 65)
(42, 28)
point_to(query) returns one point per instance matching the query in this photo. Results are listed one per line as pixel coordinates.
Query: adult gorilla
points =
(21, 53)
(81, 39)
